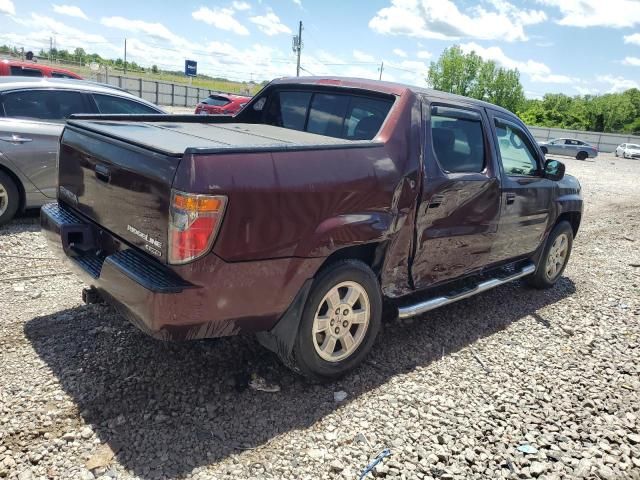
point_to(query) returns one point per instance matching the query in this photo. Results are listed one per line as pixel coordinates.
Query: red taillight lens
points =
(194, 221)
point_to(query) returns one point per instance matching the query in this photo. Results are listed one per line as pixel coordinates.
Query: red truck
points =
(298, 218)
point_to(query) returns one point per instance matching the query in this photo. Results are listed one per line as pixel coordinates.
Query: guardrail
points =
(158, 92)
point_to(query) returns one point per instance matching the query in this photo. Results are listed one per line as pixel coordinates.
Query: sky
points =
(566, 46)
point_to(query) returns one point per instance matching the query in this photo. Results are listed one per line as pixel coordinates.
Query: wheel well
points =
(583, 153)
(369, 253)
(574, 220)
(19, 186)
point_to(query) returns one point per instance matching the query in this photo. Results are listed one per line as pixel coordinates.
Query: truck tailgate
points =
(124, 188)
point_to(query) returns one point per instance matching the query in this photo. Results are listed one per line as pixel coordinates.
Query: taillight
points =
(194, 221)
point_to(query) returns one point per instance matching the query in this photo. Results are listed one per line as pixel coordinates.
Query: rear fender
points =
(347, 230)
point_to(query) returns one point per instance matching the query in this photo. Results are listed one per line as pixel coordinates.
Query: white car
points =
(628, 150)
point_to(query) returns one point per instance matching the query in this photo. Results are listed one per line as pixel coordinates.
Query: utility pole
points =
(50, 47)
(297, 47)
(125, 56)
(381, 68)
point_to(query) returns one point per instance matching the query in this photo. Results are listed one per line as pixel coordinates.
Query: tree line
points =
(469, 75)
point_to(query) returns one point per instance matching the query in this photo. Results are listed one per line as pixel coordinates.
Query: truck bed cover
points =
(175, 138)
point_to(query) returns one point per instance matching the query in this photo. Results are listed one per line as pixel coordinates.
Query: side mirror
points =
(554, 170)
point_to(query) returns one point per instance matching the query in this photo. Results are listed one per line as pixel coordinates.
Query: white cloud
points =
(424, 55)
(298, 3)
(631, 61)
(537, 71)
(155, 30)
(69, 10)
(221, 18)
(7, 6)
(443, 20)
(618, 84)
(587, 90)
(363, 57)
(270, 24)
(596, 13)
(399, 52)
(635, 39)
(34, 32)
(240, 6)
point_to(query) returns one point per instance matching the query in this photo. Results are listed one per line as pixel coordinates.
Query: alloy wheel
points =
(341, 321)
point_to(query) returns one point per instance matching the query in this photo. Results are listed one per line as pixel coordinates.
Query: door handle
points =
(511, 198)
(16, 139)
(103, 173)
(436, 201)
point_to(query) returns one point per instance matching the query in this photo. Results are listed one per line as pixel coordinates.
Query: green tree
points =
(469, 75)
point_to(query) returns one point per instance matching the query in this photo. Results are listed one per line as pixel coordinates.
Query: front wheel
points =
(554, 258)
(340, 321)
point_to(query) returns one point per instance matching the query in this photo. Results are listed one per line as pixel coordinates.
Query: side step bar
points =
(433, 303)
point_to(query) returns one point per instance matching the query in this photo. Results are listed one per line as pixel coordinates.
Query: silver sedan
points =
(570, 147)
(32, 116)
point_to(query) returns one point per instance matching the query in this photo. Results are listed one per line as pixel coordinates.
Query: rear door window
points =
(26, 72)
(458, 140)
(114, 105)
(43, 104)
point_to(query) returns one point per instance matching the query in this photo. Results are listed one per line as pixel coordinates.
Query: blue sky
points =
(569, 46)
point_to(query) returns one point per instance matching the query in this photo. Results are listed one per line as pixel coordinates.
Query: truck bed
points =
(175, 138)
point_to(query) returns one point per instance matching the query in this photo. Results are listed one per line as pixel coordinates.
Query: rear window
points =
(336, 115)
(26, 72)
(216, 101)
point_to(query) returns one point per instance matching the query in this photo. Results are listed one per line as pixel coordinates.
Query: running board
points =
(418, 308)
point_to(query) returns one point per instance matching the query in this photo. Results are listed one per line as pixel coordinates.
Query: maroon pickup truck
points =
(299, 217)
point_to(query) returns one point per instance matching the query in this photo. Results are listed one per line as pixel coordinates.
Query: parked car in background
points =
(16, 68)
(628, 150)
(299, 216)
(569, 147)
(32, 114)
(222, 104)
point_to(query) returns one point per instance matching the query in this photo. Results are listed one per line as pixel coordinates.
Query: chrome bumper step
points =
(436, 302)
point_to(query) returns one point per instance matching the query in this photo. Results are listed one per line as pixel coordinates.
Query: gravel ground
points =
(514, 383)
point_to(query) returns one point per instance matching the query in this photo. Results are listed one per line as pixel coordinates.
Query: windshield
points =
(633, 146)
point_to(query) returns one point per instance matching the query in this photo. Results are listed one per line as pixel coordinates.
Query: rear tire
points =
(582, 155)
(340, 321)
(554, 258)
(9, 198)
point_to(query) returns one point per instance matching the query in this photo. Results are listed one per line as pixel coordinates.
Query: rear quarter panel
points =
(311, 203)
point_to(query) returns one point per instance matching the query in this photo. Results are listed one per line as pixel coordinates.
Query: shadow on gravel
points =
(28, 221)
(168, 408)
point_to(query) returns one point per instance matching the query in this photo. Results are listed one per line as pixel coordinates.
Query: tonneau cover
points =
(174, 138)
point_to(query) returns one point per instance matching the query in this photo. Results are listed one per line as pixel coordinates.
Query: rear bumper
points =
(209, 298)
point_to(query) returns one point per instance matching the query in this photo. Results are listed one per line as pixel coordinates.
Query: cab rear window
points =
(352, 117)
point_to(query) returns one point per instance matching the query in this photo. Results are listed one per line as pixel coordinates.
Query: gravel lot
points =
(515, 383)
